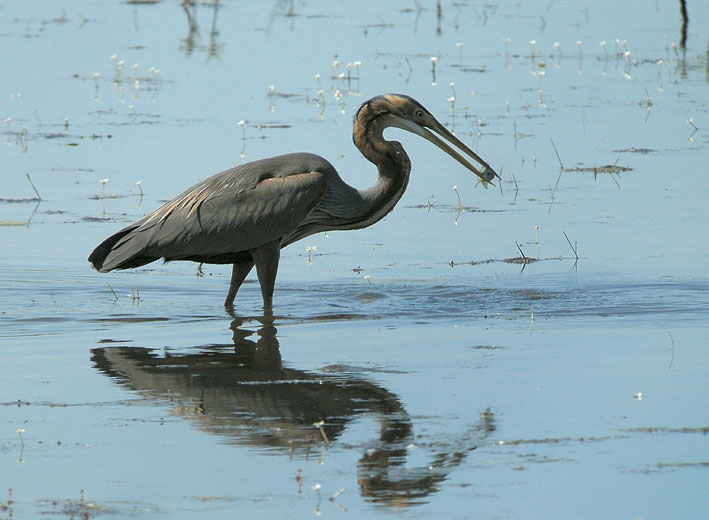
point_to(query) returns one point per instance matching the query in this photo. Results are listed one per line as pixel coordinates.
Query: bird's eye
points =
(419, 113)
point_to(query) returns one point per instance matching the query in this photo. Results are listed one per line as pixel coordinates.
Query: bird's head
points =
(402, 111)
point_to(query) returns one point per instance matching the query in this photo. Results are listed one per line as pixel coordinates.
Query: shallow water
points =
(480, 370)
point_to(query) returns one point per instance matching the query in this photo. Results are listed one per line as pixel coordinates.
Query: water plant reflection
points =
(244, 393)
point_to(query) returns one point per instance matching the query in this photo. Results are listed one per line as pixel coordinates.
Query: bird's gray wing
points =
(233, 211)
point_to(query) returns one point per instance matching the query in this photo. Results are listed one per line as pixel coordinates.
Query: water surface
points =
(537, 349)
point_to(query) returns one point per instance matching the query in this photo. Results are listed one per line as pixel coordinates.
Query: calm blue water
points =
(454, 380)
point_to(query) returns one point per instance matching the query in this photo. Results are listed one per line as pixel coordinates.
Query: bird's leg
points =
(238, 273)
(266, 259)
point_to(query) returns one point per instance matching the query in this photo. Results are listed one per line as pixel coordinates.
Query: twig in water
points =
(411, 70)
(455, 189)
(112, 291)
(611, 170)
(648, 100)
(685, 22)
(335, 495)
(689, 122)
(22, 446)
(573, 247)
(522, 253)
(309, 250)
(320, 424)
(8, 507)
(672, 359)
(514, 180)
(536, 228)
(32, 184)
(316, 488)
(557, 154)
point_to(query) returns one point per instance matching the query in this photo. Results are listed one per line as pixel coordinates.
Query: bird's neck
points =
(389, 187)
(394, 167)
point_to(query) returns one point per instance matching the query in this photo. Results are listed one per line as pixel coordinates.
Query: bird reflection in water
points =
(243, 393)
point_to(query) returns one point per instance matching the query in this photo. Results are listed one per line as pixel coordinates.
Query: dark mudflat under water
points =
(535, 350)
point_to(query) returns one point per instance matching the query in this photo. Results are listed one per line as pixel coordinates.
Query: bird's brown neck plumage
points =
(389, 156)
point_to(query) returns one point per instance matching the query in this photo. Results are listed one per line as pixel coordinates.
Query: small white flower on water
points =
(96, 75)
(103, 181)
(639, 396)
(240, 123)
(317, 487)
(20, 430)
(271, 88)
(434, 59)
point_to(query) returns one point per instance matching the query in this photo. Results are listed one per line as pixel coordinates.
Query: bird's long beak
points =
(486, 175)
(433, 130)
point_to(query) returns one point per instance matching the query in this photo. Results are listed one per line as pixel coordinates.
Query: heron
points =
(245, 215)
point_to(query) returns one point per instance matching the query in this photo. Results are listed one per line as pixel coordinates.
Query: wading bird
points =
(245, 215)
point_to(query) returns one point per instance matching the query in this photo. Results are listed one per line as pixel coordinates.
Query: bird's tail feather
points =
(119, 251)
